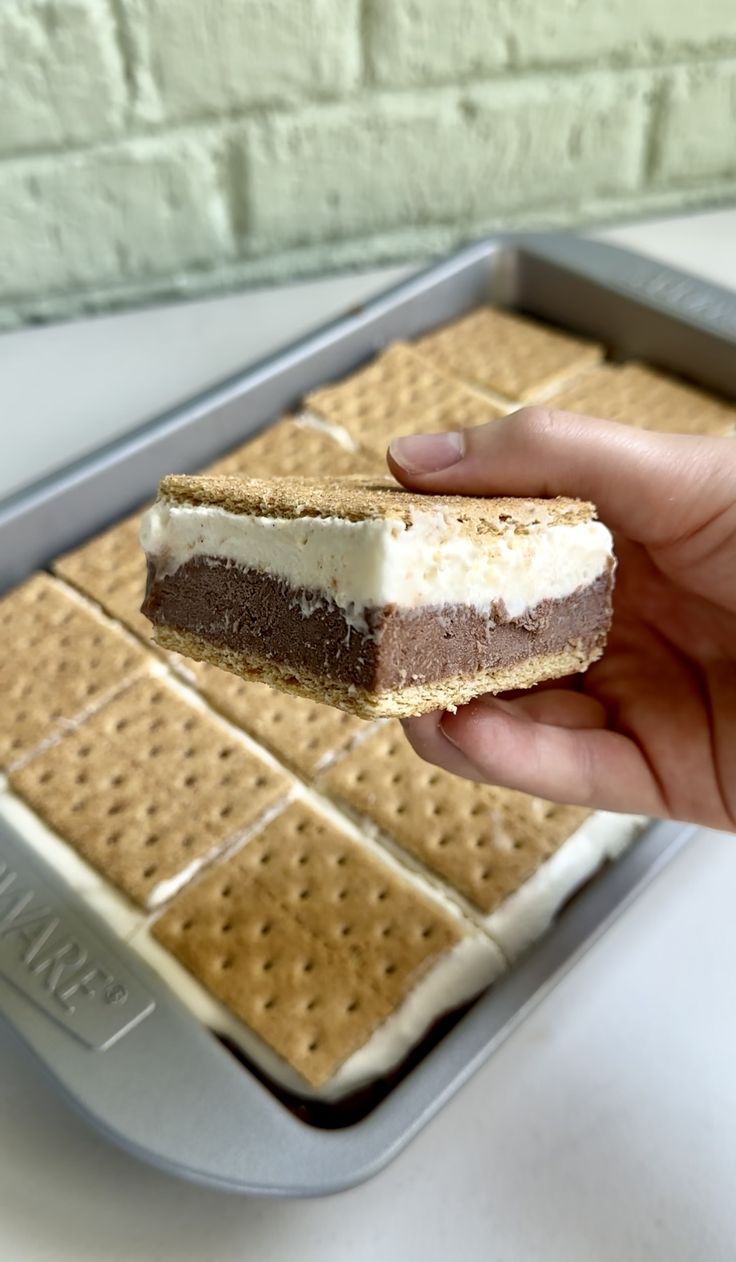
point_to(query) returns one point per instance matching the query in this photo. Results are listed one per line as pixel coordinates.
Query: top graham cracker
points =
(634, 394)
(297, 445)
(400, 393)
(61, 659)
(510, 354)
(483, 841)
(365, 499)
(309, 937)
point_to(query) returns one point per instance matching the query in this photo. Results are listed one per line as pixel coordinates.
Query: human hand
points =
(651, 727)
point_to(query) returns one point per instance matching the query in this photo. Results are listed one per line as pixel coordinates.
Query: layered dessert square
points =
(316, 956)
(373, 599)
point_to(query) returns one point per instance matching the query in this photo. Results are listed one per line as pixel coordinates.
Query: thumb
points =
(654, 488)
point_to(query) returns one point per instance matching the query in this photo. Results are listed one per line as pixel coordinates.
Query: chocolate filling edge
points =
(257, 614)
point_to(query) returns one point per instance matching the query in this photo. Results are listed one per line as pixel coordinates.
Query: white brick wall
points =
(215, 57)
(351, 170)
(154, 146)
(697, 139)
(138, 210)
(61, 74)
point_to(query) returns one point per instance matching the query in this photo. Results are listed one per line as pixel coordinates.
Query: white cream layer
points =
(364, 564)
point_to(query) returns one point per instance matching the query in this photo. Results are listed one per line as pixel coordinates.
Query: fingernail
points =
(428, 453)
(447, 717)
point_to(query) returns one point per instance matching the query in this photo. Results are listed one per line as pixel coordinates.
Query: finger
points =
(584, 767)
(429, 741)
(654, 488)
(559, 707)
(571, 683)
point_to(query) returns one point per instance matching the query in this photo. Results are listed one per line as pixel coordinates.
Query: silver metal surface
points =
(166, 1090)
(51, 954)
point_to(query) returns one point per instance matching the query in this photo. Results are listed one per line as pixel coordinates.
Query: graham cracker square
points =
(634, 394)
(303, 734)
(264, 932)
(59, 658)
(484, 841)
(271, 973)
(297, 446)
(111, 568)
(149, 787)
(510, 354)
(350, 898)
(400, 393)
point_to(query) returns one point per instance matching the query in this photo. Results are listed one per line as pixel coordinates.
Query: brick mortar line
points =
(215, 124)
(269, 264)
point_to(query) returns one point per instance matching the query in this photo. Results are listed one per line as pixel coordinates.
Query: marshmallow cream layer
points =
(377, 562)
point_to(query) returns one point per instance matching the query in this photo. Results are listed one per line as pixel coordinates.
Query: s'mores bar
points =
(373, 599)
(317, 956)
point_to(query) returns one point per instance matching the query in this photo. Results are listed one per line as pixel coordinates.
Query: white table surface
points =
(603, 1129)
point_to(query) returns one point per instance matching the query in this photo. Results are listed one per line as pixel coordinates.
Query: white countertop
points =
(603, 1129)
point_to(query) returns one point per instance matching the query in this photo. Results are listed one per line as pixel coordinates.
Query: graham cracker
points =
(111, 568)
(637, 395)
(148, 787)
(403, 702)
(400, 393)
(484, 841)
(59, 658)
(510, 354)
(366, 499)
(297, 446)
(350, 898)
(263, 931)
(302, 733)
(271, 973)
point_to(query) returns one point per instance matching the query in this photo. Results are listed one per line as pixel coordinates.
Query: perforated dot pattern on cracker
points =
(349, 897)
(510, 354)
(295, 447)
(484, 841)
(636, 395)
(148, 786)
(400, 393)
(303, 734)
(263, 931)
(59, 659)
(111, 569)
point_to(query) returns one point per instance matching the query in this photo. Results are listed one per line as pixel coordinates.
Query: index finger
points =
(654, 488)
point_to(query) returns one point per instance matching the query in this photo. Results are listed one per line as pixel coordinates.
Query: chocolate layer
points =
(257, 614)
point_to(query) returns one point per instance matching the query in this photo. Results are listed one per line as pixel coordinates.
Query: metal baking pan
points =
(132, 1058)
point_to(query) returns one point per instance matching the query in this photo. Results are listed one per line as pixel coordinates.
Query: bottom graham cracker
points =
(406, 701)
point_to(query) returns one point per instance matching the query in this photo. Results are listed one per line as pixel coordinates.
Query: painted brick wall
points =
(154, 147)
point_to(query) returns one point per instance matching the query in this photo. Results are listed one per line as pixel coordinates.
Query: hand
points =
(651, 727)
